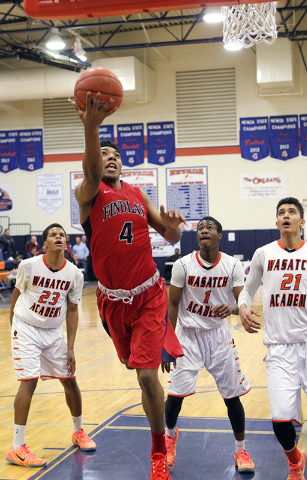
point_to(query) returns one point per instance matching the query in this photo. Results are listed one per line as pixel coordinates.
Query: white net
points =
(250, 24)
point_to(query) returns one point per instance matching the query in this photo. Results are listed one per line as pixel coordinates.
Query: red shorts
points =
(137, 329)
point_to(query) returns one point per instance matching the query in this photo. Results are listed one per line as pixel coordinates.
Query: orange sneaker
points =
(23, 457)
(159, 467)
(171, 443)
(296, 470)
(83, 441)
(243, 462)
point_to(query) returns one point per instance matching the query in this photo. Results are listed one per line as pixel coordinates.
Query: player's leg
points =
(26, 349)
(221, 350)
(74, 403)
(181, 383)
(283, 380)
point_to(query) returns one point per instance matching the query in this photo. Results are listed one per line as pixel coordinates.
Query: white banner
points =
(75, 178)
(161, 247)
(262, 185)
(49, 191)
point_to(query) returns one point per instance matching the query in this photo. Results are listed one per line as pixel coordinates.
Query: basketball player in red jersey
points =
(282, 268)
(48, 290)
(132, 299)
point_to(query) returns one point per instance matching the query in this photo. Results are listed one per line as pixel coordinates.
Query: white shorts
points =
(286, 373)
(38, 352)
(214, 350)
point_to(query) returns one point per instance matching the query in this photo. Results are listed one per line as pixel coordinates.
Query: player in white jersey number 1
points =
(48, 289)
(282, 268)
(204, 289)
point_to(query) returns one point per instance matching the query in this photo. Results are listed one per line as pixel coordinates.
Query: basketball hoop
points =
(248, 25)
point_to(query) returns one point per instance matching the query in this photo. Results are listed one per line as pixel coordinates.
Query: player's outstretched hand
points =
(93, 116)
(71, 362)
(172, 218)
(166, 366)
(248, 322)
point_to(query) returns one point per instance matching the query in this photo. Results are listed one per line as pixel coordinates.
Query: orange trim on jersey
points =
(26, 379)
(45, 262)
(284, 248)
(239, 395)
(58, 378)
(202, 265)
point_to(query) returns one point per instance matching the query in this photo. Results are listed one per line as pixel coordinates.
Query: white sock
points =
(171, 432)
(77, 421)
(240, 445)
(19, 436)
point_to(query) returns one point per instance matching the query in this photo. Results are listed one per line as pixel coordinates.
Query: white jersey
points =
(44, 292)
(284, 276)
(204, 286)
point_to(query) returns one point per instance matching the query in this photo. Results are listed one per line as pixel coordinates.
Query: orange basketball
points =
(96, 80)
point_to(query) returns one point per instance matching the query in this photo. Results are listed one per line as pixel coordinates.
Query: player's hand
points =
(166, 366)
(172, 218)
(71, 362)
(93, 116)
(248, 322)
(222, 310)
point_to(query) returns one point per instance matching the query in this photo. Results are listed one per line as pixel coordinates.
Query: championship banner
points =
(49, 191)
(106, 132)
(303, 125)
(31, 155)
(8, 151)
(146, 180)
(254, 138)
(161, 143)
(75, 178)
(130, 140)
(284, 138)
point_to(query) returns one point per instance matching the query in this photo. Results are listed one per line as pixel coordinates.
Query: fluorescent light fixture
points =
(233, 47)
(213, 15)
(55, 42)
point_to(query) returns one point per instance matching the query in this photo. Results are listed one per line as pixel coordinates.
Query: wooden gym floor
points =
(114, 417)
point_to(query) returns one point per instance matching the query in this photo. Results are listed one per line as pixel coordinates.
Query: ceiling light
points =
(55, 42)
(232, 47)
(213, 15)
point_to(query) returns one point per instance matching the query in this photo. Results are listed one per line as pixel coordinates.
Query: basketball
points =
(98, 80)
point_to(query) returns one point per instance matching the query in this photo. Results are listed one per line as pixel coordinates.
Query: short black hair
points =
(291, 201)
(45, 232)
(217, 223)
(108, 143)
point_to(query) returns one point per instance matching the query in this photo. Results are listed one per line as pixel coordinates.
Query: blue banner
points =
(106, 132)
(284, 138)
(31, 155)
(8, 151)
(303, 125)
(254, 138)
(130, 140)
(161, 143)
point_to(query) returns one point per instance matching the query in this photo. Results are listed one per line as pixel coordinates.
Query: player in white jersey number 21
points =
(48, 290)
(282, 267)
(204, 289)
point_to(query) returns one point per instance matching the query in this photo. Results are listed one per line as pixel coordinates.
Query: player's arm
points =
(246, 297)
(165, 223)
(222, 310)
(72, 318)
(91, 118)
(174, 297)
(15, 295)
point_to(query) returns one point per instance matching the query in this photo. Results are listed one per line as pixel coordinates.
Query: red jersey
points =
(118, 232)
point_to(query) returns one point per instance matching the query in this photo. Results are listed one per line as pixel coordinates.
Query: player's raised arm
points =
(165, 223)
(91, 118)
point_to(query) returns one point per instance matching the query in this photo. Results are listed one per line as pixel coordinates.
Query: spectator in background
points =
(68, 249)
(83, 252)
(7, 244)
(29, 245)
(42, 251)
(32, 252)
(168, 268)
(10, 279)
